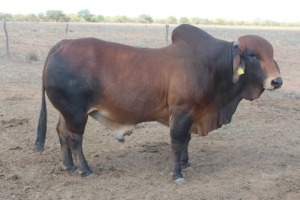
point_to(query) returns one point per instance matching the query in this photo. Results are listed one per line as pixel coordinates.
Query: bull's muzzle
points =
(277, 83)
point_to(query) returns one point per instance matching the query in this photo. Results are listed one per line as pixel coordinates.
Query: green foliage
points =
(56, 15)
(18, 17)
(197, 20)
(6, 16)
(41, 16)
(100, 18)
(86, 16)
(219, 21)
(172, 20)
(160, 21)
(121, 19)
(32, 17)
(75, 18)
(184, 20)
(146, 19)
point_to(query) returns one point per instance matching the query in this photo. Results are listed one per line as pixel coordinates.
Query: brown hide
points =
(193, 85)
(133, 85)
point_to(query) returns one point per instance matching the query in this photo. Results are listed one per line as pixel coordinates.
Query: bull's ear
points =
(238, 63)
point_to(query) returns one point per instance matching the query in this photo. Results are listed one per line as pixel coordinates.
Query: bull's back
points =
(119, 80)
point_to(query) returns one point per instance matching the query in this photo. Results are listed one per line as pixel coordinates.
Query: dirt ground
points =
(254, 157)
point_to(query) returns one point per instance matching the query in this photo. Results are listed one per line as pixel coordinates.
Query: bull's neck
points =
(224, 64)
(224, 73)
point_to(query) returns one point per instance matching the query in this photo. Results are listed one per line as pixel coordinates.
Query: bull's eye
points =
(254, 56)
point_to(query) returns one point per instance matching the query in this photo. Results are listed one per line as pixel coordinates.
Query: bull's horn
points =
(236, 43)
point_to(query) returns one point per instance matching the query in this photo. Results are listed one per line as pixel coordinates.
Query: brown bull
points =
(193, 85)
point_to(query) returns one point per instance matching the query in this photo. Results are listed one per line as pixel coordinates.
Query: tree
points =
(172, 20)
(86, 15)
(160, 21)
(41, 16)
(120, 19)
(32, 18)
(100, 18)
(6, 16)
(184, 20)
(74, 18)
(220, 21)
(55, 15)
(143, 18)
(197, 20)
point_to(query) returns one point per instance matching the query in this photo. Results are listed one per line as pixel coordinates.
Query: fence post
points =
(6, 35)
(67, 29)
(167, 34)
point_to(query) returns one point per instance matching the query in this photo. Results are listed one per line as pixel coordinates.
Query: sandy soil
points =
(254, 157)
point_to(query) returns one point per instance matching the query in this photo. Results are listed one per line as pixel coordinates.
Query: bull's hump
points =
(189, 34)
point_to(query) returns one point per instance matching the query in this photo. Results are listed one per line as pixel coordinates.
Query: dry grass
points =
(254, 157)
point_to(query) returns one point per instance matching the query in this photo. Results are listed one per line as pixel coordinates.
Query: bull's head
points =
(254, 57)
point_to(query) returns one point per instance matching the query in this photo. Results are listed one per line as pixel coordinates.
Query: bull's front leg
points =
(184, 158)
(180, 136)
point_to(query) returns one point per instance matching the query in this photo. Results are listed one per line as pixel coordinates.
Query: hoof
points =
(38, 148)
(70, 169)
(185, 165)
(120, 137)
(122, 140)
(91, 176)
(188, 169)
(85, 174)
(180, 181)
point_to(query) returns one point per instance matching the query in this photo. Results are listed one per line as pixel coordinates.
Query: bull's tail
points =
(42, 125)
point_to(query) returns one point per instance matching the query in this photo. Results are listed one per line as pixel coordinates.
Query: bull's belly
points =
(119, 130)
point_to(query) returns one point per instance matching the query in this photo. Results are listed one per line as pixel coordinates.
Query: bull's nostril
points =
(277, 83)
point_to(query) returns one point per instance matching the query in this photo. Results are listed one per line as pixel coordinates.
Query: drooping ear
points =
(238, 63)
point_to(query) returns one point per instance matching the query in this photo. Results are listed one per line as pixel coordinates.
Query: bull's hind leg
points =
(65, 150)
(71, 139)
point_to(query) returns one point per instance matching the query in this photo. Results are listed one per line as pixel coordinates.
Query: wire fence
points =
(38, 37)
(30, 42)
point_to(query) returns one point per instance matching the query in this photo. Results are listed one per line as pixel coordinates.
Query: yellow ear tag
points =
(240, 71)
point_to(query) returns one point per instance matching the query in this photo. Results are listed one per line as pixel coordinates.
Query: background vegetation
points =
(86, 16)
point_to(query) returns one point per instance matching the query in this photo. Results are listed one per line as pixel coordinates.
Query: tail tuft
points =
(42, 126)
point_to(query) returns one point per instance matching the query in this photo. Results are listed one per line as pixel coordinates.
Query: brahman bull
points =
(194, 85)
